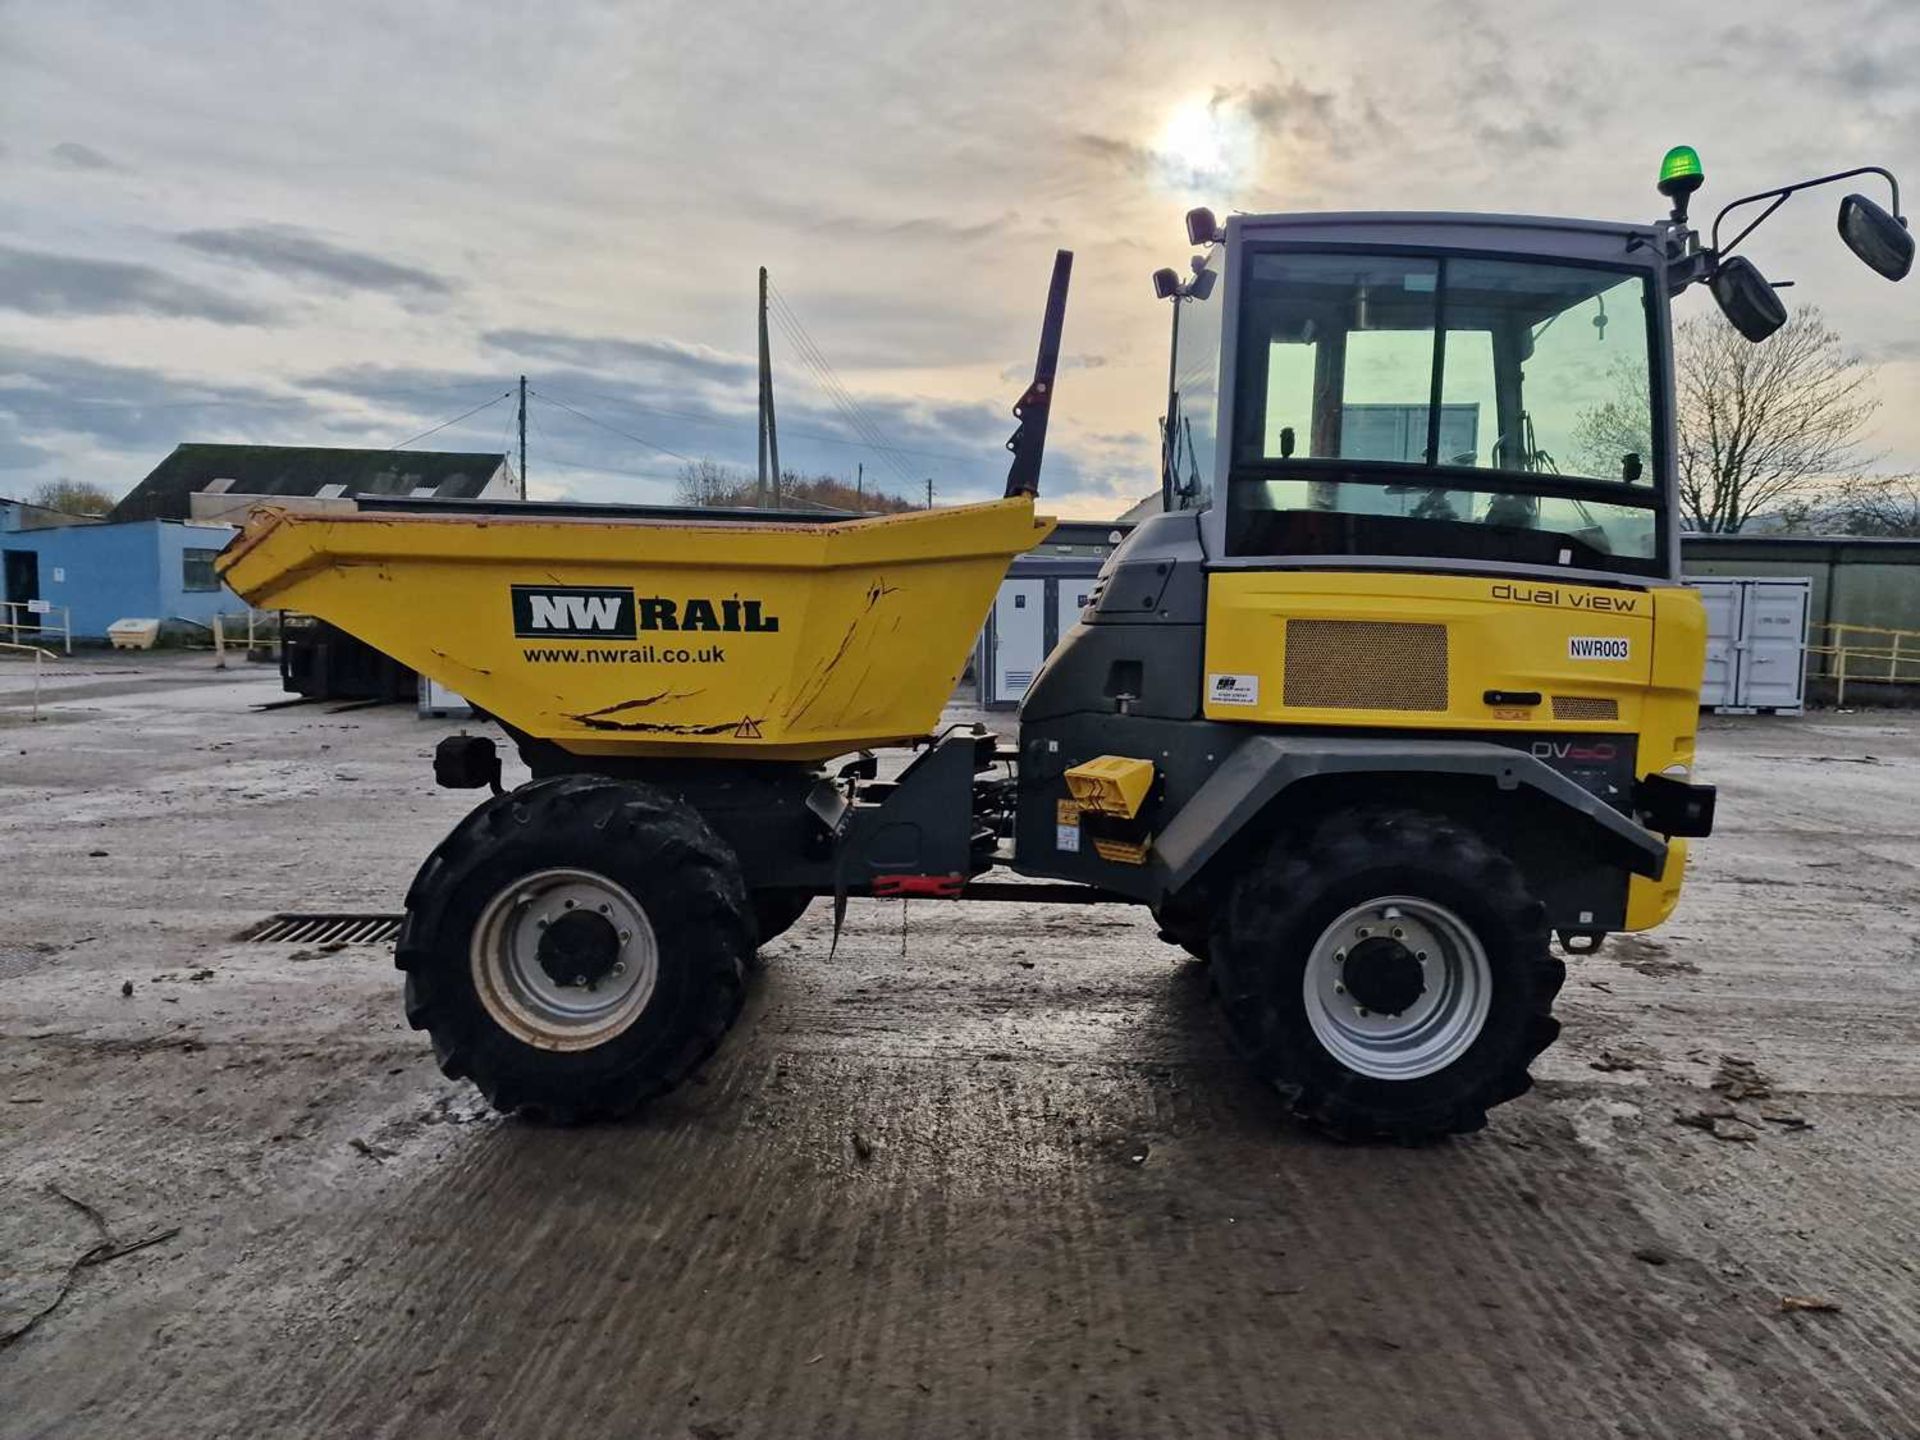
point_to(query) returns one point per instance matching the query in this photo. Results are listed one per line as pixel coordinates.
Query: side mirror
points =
(1166, 284)
(1880, 239)
(1746, 299)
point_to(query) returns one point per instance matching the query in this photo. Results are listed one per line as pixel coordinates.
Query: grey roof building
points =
(202, 482)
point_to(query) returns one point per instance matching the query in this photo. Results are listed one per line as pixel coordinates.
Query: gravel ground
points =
(988, 1171)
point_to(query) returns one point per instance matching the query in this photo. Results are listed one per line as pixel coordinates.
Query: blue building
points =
(152, 558)
(148, 569)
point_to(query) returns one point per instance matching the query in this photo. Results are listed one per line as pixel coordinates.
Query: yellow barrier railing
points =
(1855, 653)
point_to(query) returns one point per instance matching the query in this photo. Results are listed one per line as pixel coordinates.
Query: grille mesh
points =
(1366, 665)
(291, 929)
(1585, 707)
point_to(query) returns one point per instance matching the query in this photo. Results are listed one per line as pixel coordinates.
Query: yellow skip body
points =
(659, 637)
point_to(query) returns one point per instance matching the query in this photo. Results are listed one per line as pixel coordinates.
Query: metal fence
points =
(39, 658)
(1863, 654)
(35, 618)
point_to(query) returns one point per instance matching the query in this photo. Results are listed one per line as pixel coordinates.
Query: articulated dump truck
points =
(1399, 690)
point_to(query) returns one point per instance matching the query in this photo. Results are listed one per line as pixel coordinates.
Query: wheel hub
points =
(580, 948)
(564, 959)
(1397, 988)
(1383, 976)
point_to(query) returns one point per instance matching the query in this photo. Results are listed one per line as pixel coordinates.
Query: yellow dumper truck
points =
(1400, 686)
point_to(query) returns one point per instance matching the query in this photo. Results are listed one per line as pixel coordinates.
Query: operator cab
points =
(1456, 392)
(1461, 392)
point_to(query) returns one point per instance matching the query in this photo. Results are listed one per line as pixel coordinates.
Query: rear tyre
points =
(576, 947)
(777, 911)
(1388, 974)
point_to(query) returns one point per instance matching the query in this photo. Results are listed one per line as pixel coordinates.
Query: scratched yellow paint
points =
(749, 641)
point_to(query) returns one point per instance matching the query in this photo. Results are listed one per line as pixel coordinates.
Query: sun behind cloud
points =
(1208, 146)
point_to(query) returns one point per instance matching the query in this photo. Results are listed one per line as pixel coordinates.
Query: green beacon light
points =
(1681, 175)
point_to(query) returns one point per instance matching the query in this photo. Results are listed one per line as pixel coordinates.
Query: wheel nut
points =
(1363, 932)
(620, 967)
(626, 935)
(1339, 957)
(1398, 933)
(580, 980)
(1339, 989)
(569, 904)
(1361, 1011)
(606, 909)
(1421, 956)
(541, 923)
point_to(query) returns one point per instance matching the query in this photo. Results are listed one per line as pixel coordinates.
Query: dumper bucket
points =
(643, 636)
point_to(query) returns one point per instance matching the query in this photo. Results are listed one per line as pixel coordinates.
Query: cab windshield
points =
(1491, 410)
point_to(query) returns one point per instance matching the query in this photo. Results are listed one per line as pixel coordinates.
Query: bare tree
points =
(712, 485)
(72, 497)
(1759, 424)
(1887, 505)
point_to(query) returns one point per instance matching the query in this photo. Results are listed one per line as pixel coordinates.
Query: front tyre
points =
(1389, 974)
(576, 947)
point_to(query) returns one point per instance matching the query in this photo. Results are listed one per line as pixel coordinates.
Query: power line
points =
(455, 421)
(830, 383)
(829, 379)
(594, 420)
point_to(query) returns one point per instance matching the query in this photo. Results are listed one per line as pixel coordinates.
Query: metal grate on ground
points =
(295, 929)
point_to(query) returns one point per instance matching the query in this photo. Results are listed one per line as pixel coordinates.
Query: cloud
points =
(1020, 373)
(83, 157)
(40, 283)
(297, 254)
(613, 353)
(132, 409)
(1289, 108)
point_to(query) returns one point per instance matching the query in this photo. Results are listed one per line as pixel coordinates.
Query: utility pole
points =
(769, 434)
(859, 480)
(929, 492)
(523, 437)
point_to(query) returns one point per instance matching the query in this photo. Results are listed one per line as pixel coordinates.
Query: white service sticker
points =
(1233, 689)
(1599, 647)
(1066, 837)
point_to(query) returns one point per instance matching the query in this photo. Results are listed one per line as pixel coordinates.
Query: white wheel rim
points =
(1431, 1031)
(556, 1012)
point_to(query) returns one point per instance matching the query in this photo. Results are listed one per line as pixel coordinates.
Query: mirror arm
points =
(1780, 197)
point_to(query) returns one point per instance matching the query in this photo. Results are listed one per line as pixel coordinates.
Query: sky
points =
(347, 224)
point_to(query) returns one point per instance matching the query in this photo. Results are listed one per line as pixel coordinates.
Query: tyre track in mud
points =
(1012, 1182)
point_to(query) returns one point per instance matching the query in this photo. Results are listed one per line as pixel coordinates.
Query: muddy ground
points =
(989, 1171)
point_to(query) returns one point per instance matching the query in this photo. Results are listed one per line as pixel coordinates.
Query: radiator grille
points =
(1585, 707)
(1366, 665)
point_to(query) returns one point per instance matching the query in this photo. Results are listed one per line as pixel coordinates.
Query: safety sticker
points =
(1233, 689)
(1066, 837)
(1598, 647)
